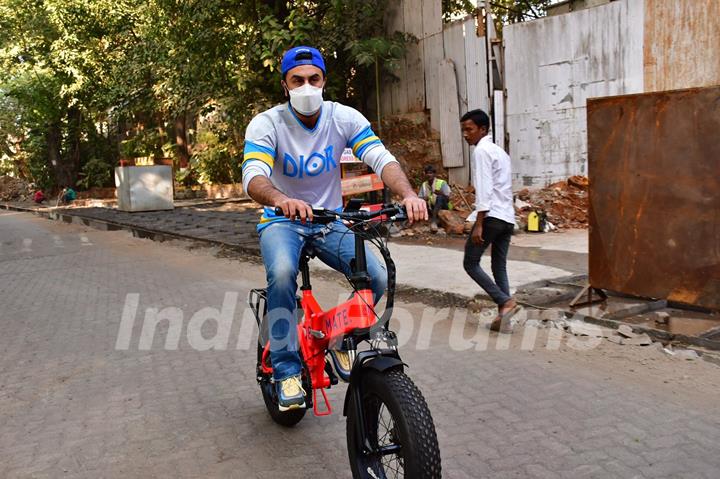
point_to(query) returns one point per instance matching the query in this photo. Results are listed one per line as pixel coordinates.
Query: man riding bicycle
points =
(291, 161)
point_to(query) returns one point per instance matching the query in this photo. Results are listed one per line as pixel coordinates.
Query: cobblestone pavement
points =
(73, 405)
(232, 223)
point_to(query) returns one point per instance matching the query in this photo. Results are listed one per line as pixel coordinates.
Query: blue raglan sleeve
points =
(260, 149)
(364, 142)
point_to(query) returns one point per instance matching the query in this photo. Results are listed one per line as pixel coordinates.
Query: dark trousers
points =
(441, 203)
(496, 233)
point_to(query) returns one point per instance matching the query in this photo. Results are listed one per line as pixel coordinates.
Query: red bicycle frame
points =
(321, 328)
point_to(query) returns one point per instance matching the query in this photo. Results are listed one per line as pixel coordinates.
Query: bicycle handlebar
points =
(322, 215)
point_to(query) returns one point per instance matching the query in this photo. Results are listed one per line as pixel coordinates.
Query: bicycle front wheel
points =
(400, 429)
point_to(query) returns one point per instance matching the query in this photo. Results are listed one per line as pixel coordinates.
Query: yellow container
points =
(533, 222)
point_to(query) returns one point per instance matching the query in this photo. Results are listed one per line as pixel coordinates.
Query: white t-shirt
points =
(305, 164)
(492, 181)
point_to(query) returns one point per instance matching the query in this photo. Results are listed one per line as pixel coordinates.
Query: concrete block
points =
(626, 331)
(638, 340)
(534, 323)
(578, 328)
(520, 318)
(551, 315)
(144, 188)
(687, 354)
(661, 317)
(559, 324)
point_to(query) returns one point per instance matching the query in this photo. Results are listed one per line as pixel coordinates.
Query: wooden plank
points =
(454, 48)
(495, 47)
(477, 85)
(386, 99)
(432, 16)
(414, 62)
(475, 68)
(450, 137)
(413, 18)
(432, 55)
(395, 99)
(499, 117)
(459, 176)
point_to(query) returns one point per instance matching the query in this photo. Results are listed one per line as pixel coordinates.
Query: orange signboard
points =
(361, 184)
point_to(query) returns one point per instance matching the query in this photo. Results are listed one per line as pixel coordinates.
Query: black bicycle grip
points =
(316, 211)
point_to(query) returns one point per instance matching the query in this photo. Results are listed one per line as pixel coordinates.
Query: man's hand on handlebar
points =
(292, 209)
(393, 212)
(416, 209)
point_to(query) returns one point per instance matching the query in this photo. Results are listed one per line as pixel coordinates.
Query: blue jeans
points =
(496, 233)
(281, 244)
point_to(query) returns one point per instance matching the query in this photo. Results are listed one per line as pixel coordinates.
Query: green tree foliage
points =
(514, 11)
(382, 54)
(49, 57)
(456, 8)
(88, 81)
(504, 11)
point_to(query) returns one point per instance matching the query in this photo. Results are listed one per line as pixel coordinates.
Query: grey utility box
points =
(144, 188)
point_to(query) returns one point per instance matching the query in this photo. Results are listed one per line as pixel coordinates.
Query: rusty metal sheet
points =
(680, 47)
(654, 169)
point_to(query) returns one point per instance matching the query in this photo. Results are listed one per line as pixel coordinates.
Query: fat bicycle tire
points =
(411, 427)
(269, 394)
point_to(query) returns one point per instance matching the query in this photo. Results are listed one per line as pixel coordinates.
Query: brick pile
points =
(565, 203)
(13, 189)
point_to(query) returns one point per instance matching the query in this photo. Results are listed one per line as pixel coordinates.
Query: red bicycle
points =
(390, 431)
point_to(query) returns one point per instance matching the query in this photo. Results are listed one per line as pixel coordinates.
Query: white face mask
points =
(306, 99)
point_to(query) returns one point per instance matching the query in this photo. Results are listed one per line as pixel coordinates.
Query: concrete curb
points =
(613, 322)
(138, 232)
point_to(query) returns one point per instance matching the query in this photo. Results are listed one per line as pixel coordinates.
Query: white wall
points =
(552, 66)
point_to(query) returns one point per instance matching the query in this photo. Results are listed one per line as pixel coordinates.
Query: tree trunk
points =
(53, 137)
(183, 152)
(74, 132)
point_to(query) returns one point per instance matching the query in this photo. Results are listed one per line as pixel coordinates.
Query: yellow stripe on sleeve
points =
(257, 155)
(362, 142)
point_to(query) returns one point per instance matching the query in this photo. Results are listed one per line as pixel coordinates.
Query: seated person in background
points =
(436, 192)
(68, 195)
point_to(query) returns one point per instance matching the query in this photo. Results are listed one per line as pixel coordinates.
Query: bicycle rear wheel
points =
(269, 394)
(399, 426)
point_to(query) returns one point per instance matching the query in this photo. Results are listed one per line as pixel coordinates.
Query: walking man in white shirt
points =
(494, 216)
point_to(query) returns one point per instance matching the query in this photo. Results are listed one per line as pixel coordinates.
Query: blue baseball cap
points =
(301, 55)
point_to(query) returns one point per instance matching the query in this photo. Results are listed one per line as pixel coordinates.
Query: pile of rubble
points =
(414, 145)
(564, 203)
(623, 335)
(463, 198)
(14, 189)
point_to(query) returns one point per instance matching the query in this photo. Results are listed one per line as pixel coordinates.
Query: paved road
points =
(78, 399)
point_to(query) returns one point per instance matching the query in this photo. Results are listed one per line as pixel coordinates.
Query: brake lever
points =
(401, 215)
